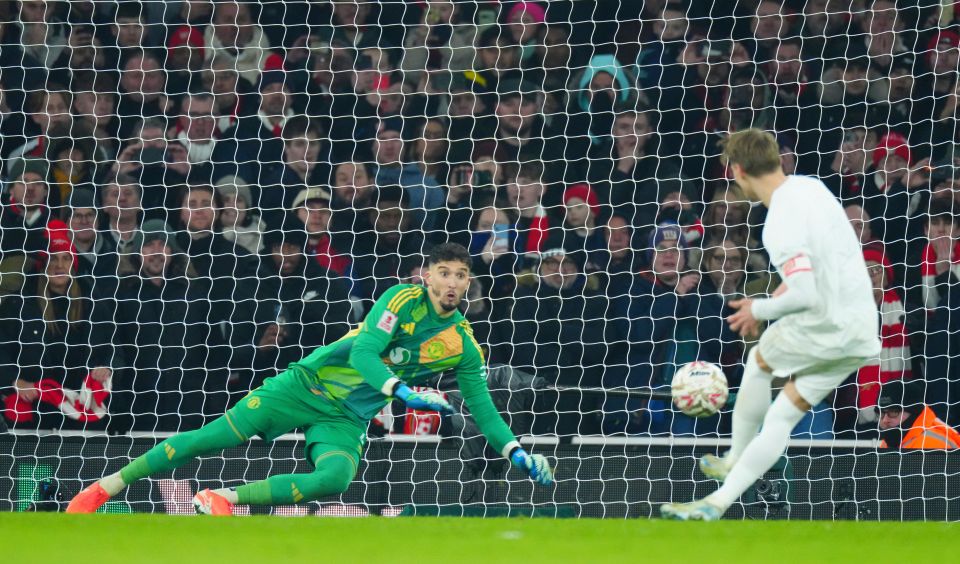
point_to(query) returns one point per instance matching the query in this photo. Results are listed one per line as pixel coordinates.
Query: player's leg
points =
(753, 401)
(761, 453)
(334, 469)
(166, 455)
(766, 448)
(334, 446)
(268, 411)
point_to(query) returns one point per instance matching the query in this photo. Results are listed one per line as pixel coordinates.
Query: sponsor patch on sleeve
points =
(387, 321)
(799, 263)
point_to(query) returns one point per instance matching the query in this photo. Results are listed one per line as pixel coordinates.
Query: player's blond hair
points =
(755, 150)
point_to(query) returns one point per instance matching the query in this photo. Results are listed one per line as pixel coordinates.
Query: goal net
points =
(197, 194)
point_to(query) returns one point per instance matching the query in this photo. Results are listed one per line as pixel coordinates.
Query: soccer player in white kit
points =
(826, 320)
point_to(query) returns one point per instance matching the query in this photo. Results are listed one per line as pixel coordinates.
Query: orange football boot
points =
(209, 503)
(89, 499)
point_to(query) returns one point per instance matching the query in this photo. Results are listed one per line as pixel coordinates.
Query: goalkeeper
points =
(412, 333)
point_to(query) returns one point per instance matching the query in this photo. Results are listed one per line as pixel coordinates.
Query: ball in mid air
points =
(699, 389)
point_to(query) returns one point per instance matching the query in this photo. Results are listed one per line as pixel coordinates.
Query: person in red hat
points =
(49, 339)
(579, 231)
(894, 359)
(890, 196)
(185, 53)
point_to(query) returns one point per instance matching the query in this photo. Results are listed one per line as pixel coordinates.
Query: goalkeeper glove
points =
(535, 465)
(425, 401)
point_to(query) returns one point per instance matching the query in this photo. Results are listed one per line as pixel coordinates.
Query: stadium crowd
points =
(199, 192)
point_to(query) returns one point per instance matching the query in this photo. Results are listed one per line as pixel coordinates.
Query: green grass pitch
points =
(125, 539)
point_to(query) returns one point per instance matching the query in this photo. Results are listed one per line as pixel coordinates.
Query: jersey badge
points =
(387, 321)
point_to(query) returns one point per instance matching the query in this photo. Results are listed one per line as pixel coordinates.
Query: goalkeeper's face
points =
(448, 282)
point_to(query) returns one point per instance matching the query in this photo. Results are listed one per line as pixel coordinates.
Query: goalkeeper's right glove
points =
(424, 401)
(536, 465)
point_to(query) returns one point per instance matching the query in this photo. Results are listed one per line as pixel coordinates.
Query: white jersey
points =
(806, 228)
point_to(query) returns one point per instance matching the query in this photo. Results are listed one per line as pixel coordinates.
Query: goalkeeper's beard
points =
(447, 308)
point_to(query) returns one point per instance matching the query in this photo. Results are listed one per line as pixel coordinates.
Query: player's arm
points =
(472, 380)
(800, 292)
(376, 333)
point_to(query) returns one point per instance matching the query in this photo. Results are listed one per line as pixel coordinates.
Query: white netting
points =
(197, 194)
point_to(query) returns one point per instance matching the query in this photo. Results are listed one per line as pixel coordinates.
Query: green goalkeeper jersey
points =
(404, 337)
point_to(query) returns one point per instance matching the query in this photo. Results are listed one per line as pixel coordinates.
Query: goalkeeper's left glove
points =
(535, 465)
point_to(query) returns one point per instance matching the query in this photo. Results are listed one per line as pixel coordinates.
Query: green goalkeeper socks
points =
(332, 477)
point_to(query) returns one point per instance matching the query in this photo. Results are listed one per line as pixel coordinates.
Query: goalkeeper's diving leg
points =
(334, 445)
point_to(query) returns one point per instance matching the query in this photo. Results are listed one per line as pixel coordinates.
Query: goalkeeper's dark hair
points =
(449, 252)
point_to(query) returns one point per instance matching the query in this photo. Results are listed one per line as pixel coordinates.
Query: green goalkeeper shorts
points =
(285, 403)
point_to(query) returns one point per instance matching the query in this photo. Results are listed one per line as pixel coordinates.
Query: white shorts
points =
(815, 375)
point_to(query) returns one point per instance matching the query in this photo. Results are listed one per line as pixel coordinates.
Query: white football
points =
(699, 389)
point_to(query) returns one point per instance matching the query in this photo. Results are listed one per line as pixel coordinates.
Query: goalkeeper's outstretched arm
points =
(471, 378)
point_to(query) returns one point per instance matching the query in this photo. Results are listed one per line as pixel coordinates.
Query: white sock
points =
(112, 484)
(762, 452)
(229, 493)
(753, 401)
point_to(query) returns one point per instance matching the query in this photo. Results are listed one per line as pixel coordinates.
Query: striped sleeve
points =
(377, 331)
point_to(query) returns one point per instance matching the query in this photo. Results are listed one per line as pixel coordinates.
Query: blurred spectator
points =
(93, 258)
(940, 258)
(233, 97)
(127, 34)
(651, 315)
(497, 58)
(196, 132)
(616, 262)
(164, 324)
(185, 54)
(906, 111)
(159, 166)
(631, 189)
(428, 152)
(442, 41)
(311, 303)
(142, 92)
(846, 173)
(907, 423)
(84, 53)
(661, 56)
(352, 197)
(525, 23)
(312, 208)
(94, 103)
(890, 197)
(558, 332)
(393, 167)
(49, 121)
(378, 252)
(788, 73)
(727, 218)
(259, 137)
(121, 199)
(237, 38)
(240, 222)
(55, 346)
(860, 221)
(302, 165)
(37, 38)
(603, 85)
(578, 235)
(493, 239)
(895, 356)
(525, 194)
(24, 217)
(839, 101)
(769, 27)
(353, 25)
(71, 163)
